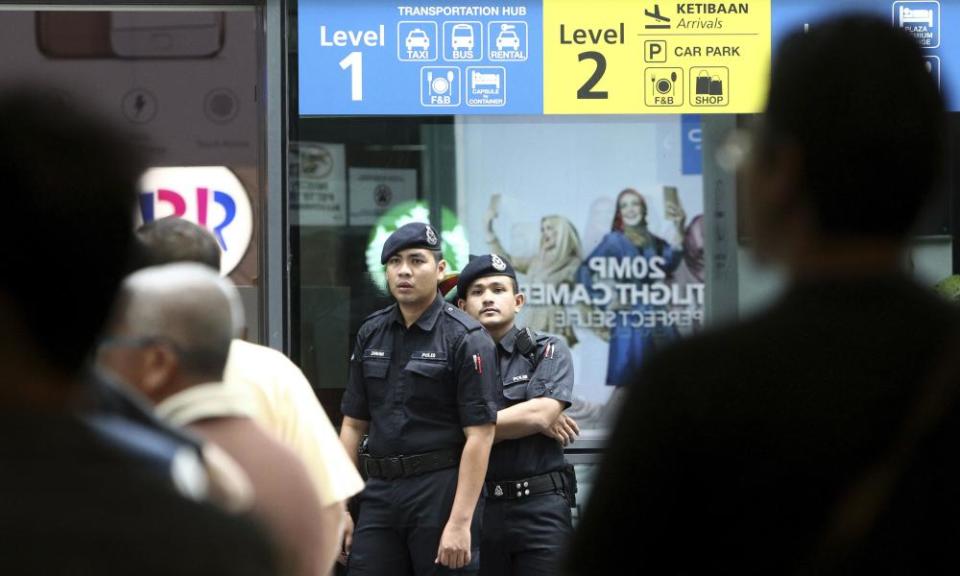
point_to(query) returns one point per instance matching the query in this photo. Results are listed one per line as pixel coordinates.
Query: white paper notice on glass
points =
(374, 191)
(319, 197)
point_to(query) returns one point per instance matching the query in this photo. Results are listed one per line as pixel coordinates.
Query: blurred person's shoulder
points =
(73, 503)
(285, 497)
(813, 338)
(250, 355)
(257, 365)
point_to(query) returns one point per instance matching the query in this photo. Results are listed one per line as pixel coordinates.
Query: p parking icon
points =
(655, 51)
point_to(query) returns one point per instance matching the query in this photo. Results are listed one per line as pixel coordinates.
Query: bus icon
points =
(462, 37)
(462, 41)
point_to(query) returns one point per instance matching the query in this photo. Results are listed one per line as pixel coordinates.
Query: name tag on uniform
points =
(375, 354)
(520, 378)
(428, 356)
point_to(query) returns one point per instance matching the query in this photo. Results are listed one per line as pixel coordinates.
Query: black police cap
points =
(412, 235)
(480, 267)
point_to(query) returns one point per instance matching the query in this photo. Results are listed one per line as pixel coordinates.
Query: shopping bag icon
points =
(716, 86)
(703, 83)
(708, 85)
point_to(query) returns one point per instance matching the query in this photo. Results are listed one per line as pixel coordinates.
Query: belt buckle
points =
(523, 489)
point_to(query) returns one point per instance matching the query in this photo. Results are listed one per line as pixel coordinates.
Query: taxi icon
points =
(507, 38)
(417, 38)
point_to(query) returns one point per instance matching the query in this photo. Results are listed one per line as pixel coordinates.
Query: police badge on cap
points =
(479, 267)
(412, 235)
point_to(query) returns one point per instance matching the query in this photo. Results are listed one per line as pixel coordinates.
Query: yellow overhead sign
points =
(649, 57)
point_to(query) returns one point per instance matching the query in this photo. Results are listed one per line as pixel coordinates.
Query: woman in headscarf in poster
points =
(556, 262)
(692, 271)
(630, 238)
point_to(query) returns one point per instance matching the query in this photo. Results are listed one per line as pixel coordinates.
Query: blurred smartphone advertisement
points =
(183, 82)
(130, 34)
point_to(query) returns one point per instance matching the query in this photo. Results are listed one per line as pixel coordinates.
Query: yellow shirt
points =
(230, 486)
(284, 403)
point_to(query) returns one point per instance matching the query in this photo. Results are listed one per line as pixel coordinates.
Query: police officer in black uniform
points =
(530, 488)
(422, 379)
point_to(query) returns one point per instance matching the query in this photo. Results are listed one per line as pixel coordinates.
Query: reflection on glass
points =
(183, 83)
(544, 193)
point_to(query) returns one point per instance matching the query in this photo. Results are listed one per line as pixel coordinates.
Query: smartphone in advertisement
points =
(133, 35)
(671, 196)
(166, 34)
(74, 34)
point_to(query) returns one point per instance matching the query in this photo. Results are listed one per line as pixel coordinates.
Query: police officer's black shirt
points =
(553, 378)
(420, 386)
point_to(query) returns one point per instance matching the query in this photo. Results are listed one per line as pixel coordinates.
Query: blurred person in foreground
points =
(788, 443)
(74, 498)
(169, 339)
(284, 401)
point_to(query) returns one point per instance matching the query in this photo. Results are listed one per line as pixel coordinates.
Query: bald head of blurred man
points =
(172, 329)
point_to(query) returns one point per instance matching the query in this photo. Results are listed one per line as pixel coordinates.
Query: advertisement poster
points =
(605, 231)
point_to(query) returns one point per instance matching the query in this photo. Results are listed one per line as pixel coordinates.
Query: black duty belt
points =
(403, 466)
(552, 482)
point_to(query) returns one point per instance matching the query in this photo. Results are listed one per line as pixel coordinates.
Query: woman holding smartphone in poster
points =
(640, 257)
(556, 262)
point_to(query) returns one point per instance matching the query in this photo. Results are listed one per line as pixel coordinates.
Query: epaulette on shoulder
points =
(548, 344)
(378, 314)
(462, 317)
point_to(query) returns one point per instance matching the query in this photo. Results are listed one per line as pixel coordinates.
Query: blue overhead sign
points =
(382, 58)
(924, 20)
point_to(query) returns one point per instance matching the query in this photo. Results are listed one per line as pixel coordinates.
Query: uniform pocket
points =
(427, 379)
(433, 370)
(515, 390)
(377, 368)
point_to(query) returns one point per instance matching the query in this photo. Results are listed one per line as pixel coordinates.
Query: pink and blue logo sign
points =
(211, 196)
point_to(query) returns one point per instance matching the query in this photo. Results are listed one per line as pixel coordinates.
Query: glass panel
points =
(183, 82)
(543, 193)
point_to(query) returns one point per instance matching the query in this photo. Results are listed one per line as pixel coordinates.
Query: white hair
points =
(188, 305)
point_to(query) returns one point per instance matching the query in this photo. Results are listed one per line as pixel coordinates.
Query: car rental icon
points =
(507, 37)
(417, 38)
